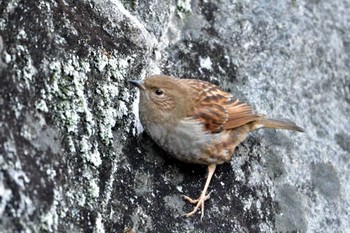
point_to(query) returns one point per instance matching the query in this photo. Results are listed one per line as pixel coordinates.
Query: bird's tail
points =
(277, 124)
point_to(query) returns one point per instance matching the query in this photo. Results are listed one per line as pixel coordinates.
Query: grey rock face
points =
(72, 158)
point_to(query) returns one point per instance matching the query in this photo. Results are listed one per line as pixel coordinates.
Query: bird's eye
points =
(159, 92)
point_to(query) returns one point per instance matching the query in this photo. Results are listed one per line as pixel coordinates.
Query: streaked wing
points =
(239, 114)
(217, 109)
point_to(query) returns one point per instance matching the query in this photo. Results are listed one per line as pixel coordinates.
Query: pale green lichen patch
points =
(94, 189)
(41, 105)
(112, 92)
(95, 156)
(99, 224)
(183, 8)
(70, 81)
(89, 97)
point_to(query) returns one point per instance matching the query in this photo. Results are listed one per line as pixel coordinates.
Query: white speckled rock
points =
(70, 160)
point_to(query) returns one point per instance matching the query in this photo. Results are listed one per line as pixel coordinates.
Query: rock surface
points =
(72, 159)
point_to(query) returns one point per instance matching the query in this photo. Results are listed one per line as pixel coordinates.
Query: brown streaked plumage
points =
(218, 109)
(197, 122)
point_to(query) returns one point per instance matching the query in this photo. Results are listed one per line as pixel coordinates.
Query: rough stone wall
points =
(72, 159)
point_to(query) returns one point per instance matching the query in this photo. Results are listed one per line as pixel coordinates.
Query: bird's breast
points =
(189, 142)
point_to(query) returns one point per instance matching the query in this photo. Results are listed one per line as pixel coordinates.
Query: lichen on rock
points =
(73, 157)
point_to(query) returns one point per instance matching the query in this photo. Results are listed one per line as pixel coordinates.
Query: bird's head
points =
(163, 97)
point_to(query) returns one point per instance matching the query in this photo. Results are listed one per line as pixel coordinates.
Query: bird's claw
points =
(198, 202)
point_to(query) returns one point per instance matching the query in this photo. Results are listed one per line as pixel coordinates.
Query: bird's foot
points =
(198, 202)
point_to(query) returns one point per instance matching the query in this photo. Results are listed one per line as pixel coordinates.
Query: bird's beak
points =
(138, 84)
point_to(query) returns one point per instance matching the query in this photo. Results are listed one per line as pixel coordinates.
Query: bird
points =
(198, 122)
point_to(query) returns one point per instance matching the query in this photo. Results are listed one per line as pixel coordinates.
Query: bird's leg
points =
(203, 197)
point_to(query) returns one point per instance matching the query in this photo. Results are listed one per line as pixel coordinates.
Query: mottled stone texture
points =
(71, 157)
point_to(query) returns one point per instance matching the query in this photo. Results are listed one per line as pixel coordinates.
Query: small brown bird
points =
(197, 122)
